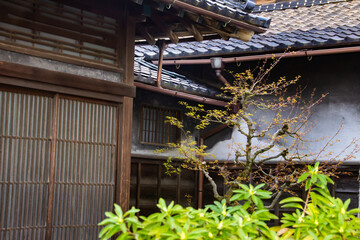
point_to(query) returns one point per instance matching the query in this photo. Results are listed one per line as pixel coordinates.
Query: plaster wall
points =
(338, 75)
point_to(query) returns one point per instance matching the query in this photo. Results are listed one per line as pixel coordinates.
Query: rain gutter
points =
(300, 53)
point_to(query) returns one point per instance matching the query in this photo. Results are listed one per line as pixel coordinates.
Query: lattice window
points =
(154, 129)
(53, 27)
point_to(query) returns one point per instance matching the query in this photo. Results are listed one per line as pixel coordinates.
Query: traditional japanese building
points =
(66, 102)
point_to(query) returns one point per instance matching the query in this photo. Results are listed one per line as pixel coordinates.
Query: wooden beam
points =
(242, 34)
(193, 30)
(124, 156)
(207, 23)
(52, 169)
(166, 29)
(65, 79)
(218, 17)
(62, 58)
(214, 27)
(59, 89)
(194, 17)
(126, 52)
(146, 35)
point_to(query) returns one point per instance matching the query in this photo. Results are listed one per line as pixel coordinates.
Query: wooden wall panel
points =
(24, 155)
(57, 165)
(151, 182)
(85, 168)
(50, 27)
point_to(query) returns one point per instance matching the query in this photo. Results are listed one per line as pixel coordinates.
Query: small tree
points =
(273, 119)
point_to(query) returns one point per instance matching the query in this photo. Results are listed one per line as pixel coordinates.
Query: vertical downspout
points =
(221, 77)
(161, 45)
(201, 180)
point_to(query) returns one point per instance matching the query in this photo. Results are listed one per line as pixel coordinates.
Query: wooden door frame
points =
(123, 134)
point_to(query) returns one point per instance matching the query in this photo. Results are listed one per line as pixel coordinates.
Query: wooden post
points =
(50, 203)
(125, 49)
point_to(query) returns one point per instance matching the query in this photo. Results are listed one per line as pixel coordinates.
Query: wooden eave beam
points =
(193, 30)
(208, 36)
(212, 15)
(166, 29)
(194, 17)
(242, 34)
(150, 39)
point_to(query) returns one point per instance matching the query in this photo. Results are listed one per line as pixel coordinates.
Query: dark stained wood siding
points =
(84, 183)
(25, 130)
(149, 182)
(58, 157)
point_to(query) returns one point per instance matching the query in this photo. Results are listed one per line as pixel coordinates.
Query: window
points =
(153, 128)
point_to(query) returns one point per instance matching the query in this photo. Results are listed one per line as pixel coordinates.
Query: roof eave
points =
(219, 17)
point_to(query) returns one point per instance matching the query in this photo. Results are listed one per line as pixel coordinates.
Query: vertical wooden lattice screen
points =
(84, 163)
(85, 168)
(24, 164)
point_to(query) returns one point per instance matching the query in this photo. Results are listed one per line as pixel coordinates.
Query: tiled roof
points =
(235, 9)
(291, 5)
(299, 24)
(146, 72)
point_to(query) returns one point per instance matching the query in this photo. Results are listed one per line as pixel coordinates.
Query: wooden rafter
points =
(150, 39)
(165, 28)
(227, 32)
(193, 30)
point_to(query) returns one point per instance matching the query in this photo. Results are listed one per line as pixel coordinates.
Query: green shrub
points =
(320, 216)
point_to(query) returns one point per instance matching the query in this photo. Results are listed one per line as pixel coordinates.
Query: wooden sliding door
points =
(58, 158)
(25, 130)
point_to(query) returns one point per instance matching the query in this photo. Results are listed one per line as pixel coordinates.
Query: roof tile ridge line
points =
(258, 8)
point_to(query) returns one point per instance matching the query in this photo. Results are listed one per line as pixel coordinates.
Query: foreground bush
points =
(320, 216)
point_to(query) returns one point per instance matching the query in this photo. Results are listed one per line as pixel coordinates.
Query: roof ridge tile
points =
(292, 5)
